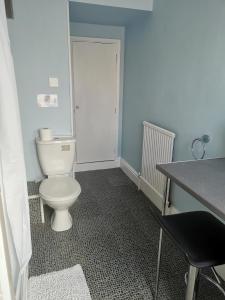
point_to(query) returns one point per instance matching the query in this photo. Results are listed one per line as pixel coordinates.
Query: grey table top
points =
(203, 179)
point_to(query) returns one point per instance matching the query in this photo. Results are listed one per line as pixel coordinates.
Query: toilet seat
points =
(61, 188)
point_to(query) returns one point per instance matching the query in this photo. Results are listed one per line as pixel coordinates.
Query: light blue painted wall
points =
(175, 77)
(105, 32)
(99, 31)
(39, 41)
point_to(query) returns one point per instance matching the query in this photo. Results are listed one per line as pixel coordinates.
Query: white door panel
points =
(95, 93)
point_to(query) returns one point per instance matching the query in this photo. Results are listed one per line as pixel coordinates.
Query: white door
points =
(95, 94)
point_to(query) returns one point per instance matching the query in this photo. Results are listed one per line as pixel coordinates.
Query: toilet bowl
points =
(60, 193)
(59, 190)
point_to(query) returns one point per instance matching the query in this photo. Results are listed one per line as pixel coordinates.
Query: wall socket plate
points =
(47, 100)
(53, 82)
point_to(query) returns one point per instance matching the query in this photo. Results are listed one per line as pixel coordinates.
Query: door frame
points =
(104, 164)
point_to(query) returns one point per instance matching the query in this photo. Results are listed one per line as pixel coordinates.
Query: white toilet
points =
(59, 190)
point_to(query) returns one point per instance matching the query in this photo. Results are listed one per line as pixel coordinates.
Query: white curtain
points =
(13, 176)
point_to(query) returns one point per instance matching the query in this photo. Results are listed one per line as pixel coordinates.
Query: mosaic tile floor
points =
(115, 239)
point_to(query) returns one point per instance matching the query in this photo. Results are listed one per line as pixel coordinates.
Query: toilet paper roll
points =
(45, 134)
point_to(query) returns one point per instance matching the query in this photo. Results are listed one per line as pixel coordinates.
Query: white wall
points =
(133, 4)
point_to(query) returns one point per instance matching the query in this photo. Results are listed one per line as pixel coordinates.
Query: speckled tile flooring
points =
(115, 239)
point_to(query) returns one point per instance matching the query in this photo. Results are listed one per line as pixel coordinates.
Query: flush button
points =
(47, 100)
(65, 147)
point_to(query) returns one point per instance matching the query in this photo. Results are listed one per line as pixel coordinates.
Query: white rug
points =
(68, 284)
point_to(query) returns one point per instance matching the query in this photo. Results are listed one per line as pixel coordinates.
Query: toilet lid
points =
(59, 188)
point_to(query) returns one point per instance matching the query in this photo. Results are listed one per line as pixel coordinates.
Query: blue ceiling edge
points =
(143, 7)
(104, 15)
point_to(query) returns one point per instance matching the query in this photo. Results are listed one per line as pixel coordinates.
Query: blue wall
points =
(39, 41)
(99, 31)
(105, 32)
(175, 77)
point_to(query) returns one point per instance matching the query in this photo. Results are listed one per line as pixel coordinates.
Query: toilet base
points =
(61, 220)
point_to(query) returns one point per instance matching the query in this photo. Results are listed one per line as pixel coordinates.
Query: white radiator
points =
(157, 148)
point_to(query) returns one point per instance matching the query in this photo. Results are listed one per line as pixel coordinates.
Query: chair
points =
(201, 237)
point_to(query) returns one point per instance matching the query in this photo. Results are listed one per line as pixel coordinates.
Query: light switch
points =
(47, 100)
(53, 82)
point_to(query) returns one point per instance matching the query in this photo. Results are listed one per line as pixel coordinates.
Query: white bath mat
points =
(68, 284)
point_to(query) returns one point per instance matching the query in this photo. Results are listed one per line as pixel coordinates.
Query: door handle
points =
(77, 106)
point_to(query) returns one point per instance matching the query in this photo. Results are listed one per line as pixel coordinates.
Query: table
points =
(204, 180)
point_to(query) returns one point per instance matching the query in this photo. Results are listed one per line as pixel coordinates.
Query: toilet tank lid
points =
(56, 140)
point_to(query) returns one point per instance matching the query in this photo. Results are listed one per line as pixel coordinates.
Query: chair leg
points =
(216, 275)
(197, 285)
(215, 283)
(192, 275)
(158, 264)
(42, 211)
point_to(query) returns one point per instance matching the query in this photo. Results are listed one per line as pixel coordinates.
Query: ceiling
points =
(133, 4)
(104, 15)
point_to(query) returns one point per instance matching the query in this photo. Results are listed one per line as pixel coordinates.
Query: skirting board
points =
(129, 171)
(148, 190)
(133, 175)
(97, 165)
(151, 193)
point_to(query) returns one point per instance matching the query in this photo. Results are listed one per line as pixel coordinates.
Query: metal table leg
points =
(166, 196)
(158, 265)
